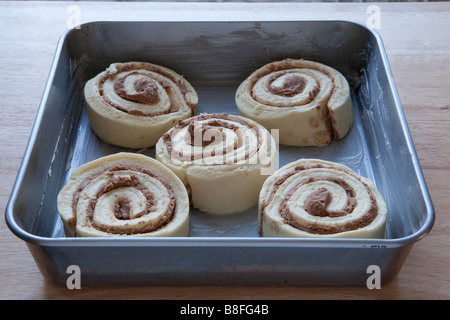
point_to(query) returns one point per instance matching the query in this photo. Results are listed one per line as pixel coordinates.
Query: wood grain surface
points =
(417, 41)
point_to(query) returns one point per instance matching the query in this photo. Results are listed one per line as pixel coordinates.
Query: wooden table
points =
(417, 40)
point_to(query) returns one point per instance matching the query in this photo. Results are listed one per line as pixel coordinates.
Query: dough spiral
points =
(307, 101)
(124, 194)
(222, 159)
(132, 104)
(315, 198)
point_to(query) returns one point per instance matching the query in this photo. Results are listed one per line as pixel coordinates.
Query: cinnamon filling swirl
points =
(122, 206)
(207, 129)
(133, 104)
(317, 202)
(146, 89)
(222, 159)
(307, 101)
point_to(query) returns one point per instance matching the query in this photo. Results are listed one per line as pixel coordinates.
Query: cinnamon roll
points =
(124, 195)
(132, 104)
(315, 198)
(222, 159)
(307, 101)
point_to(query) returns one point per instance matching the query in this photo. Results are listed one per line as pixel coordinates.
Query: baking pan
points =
(215, 57)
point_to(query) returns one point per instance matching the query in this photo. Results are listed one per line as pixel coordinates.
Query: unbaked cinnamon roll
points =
(311, 198)
(124, 195)
(222, 159)
(307, 101)
(132, 104)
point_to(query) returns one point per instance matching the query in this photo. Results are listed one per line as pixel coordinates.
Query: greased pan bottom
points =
(215, 57)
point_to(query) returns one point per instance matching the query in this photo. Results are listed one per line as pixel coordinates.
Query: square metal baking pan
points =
(215, 57)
